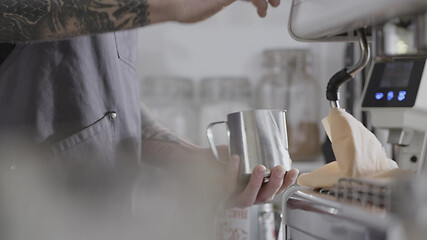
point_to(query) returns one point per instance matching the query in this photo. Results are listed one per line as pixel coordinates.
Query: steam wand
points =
(332, 90)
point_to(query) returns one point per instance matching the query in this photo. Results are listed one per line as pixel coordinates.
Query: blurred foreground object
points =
(253, 223)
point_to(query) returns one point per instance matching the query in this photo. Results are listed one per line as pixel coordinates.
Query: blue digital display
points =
(397, 74)
(379, 95)
(401, 96)
(394, 83)
(390, 95)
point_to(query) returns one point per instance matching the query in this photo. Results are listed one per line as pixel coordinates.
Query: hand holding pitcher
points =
(257, 139)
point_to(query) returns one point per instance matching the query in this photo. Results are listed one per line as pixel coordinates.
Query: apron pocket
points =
(126, 46)
(87, 158)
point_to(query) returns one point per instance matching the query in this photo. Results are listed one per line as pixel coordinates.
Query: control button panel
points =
(394, 84)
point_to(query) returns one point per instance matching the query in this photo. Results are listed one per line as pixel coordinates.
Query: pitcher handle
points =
(209, 134)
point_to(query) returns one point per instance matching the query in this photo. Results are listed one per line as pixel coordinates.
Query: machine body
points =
(396, 99)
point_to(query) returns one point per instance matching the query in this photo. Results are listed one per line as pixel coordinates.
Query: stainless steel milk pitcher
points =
(259, 137)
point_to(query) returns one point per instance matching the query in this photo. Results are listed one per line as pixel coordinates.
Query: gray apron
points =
(83, 90)
(78, 101)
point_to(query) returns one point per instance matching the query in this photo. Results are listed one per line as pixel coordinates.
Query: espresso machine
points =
(396, 99)
(393, 39)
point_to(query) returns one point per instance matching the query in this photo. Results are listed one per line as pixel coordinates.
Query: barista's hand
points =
(256, 191)
(189, 11)
(204, 177)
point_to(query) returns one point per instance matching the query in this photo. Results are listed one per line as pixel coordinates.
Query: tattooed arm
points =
(23, 20)
(158, 142)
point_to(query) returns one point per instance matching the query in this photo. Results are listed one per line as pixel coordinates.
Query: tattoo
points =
(23, 20)
(155, 132)
(151, 130)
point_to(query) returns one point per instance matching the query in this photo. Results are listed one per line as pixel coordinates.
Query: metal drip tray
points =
(368, 194)
(353, 209)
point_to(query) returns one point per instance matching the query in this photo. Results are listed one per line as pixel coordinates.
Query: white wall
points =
(230, 43)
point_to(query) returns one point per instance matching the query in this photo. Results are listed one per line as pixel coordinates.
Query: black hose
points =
(334, 84)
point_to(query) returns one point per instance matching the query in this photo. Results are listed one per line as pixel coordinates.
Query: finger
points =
(231, 179)
(289, 179)
(261, 6)
(274, 3)
(267, 192)
(248, 196)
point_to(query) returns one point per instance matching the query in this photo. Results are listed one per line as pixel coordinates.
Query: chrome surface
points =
(336, 20)
(258, 137)
(334, 104)
(365, 55)
(408, 148)
(353, 209)
(401, 137)
(113, 115)
(266, 222)
(422, 164)
(364, 193)
(211, 141)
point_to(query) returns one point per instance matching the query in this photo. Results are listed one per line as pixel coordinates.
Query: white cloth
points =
(358, 152)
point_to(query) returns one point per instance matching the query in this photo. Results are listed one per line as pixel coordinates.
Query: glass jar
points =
(288, 84)
(220, 96)
(303, 112)
(272, 90)
(171, 100)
